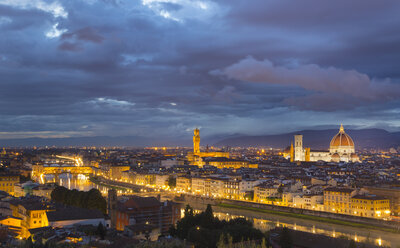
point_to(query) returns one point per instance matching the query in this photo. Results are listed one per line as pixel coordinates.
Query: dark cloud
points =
(142, 67)
(84, 34)
(69, 46)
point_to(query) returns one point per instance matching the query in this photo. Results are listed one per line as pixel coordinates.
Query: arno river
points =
(264, 221)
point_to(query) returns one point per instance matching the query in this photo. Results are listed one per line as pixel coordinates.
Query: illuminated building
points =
(32, 212)
(161, 180)
(341, 149)
(232, 189)
(338, 200)
(12, 223)
(264, 192)
(223, 162)
(371, 206)
(143, 178)
(391, 193)
(196, 157)
(115, 171)
(312, 202)
(218, 159)
(7, 183)
(183, 184)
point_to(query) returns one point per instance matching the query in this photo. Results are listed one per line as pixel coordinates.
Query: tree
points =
(91, 199)
(205, 230)
(207, 218)
(172, 182)
(352, 244)
(285, 239)
(221, 241)
(101, 231)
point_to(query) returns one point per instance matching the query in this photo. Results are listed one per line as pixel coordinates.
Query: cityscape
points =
(199, 124)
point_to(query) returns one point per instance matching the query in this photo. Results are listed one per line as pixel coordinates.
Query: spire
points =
(341, 130)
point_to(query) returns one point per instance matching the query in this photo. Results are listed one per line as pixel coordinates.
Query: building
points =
(312, 202)
(265, 193)
(391, 193)
(117, 170)
(222, 162)
(371, 206)
(7, 182)
(146, 211)
(196, 157)
(70, 216)
(161, 180)
(341, 149)
(12, 223)
(145, 178)
(338, 200)
(232, 189)
(183, 184)
(32, 212)
(142, 232)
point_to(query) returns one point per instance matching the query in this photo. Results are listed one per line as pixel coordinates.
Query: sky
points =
(159, 68)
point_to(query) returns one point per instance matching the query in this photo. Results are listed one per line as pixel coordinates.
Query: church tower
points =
(291, 152)
(112, 201)
(298, 148)
(196, 141)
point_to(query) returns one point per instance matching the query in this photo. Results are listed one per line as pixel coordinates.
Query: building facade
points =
(341, 149)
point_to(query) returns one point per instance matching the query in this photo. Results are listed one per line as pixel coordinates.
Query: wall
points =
(69, 223)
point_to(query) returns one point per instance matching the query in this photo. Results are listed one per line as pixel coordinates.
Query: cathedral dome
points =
(342, 139)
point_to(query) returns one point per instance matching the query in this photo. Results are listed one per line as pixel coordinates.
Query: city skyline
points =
(159, 68)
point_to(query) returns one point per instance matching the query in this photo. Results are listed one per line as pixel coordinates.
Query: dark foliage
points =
(101, 231)
(204, 230)
(91, 199)
(285, 239)
(172, 182)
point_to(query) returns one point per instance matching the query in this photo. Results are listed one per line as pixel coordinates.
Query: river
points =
(264, 221)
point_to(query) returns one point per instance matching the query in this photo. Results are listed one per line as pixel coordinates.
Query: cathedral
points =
(341, 149)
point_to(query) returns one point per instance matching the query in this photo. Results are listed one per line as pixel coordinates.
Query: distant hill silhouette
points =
(316, 139)
(319, 139)
(107, 141)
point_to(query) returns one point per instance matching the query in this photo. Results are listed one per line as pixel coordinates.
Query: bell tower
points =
(298, 148)
(196, 141)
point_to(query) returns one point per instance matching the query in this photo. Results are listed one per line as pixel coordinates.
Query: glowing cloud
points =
(55, 8)
(54, 32)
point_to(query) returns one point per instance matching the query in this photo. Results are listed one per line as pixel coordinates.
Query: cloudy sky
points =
(163, 67)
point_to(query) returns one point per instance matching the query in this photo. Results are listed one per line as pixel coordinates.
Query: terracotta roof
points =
(342, 139)
(336, 189)
(73, 213)
(137, 202)
(369, 197)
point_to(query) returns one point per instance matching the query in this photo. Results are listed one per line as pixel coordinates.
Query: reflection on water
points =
(81, 182)
(78, 182)
(264, 223)
(357, 234)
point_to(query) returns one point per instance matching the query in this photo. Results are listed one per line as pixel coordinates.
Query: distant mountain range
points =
(319, 139)
(316, 139)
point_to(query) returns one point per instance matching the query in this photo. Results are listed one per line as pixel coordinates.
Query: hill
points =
(319, 139)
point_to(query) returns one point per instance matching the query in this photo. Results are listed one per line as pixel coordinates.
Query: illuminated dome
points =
(341, 139)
